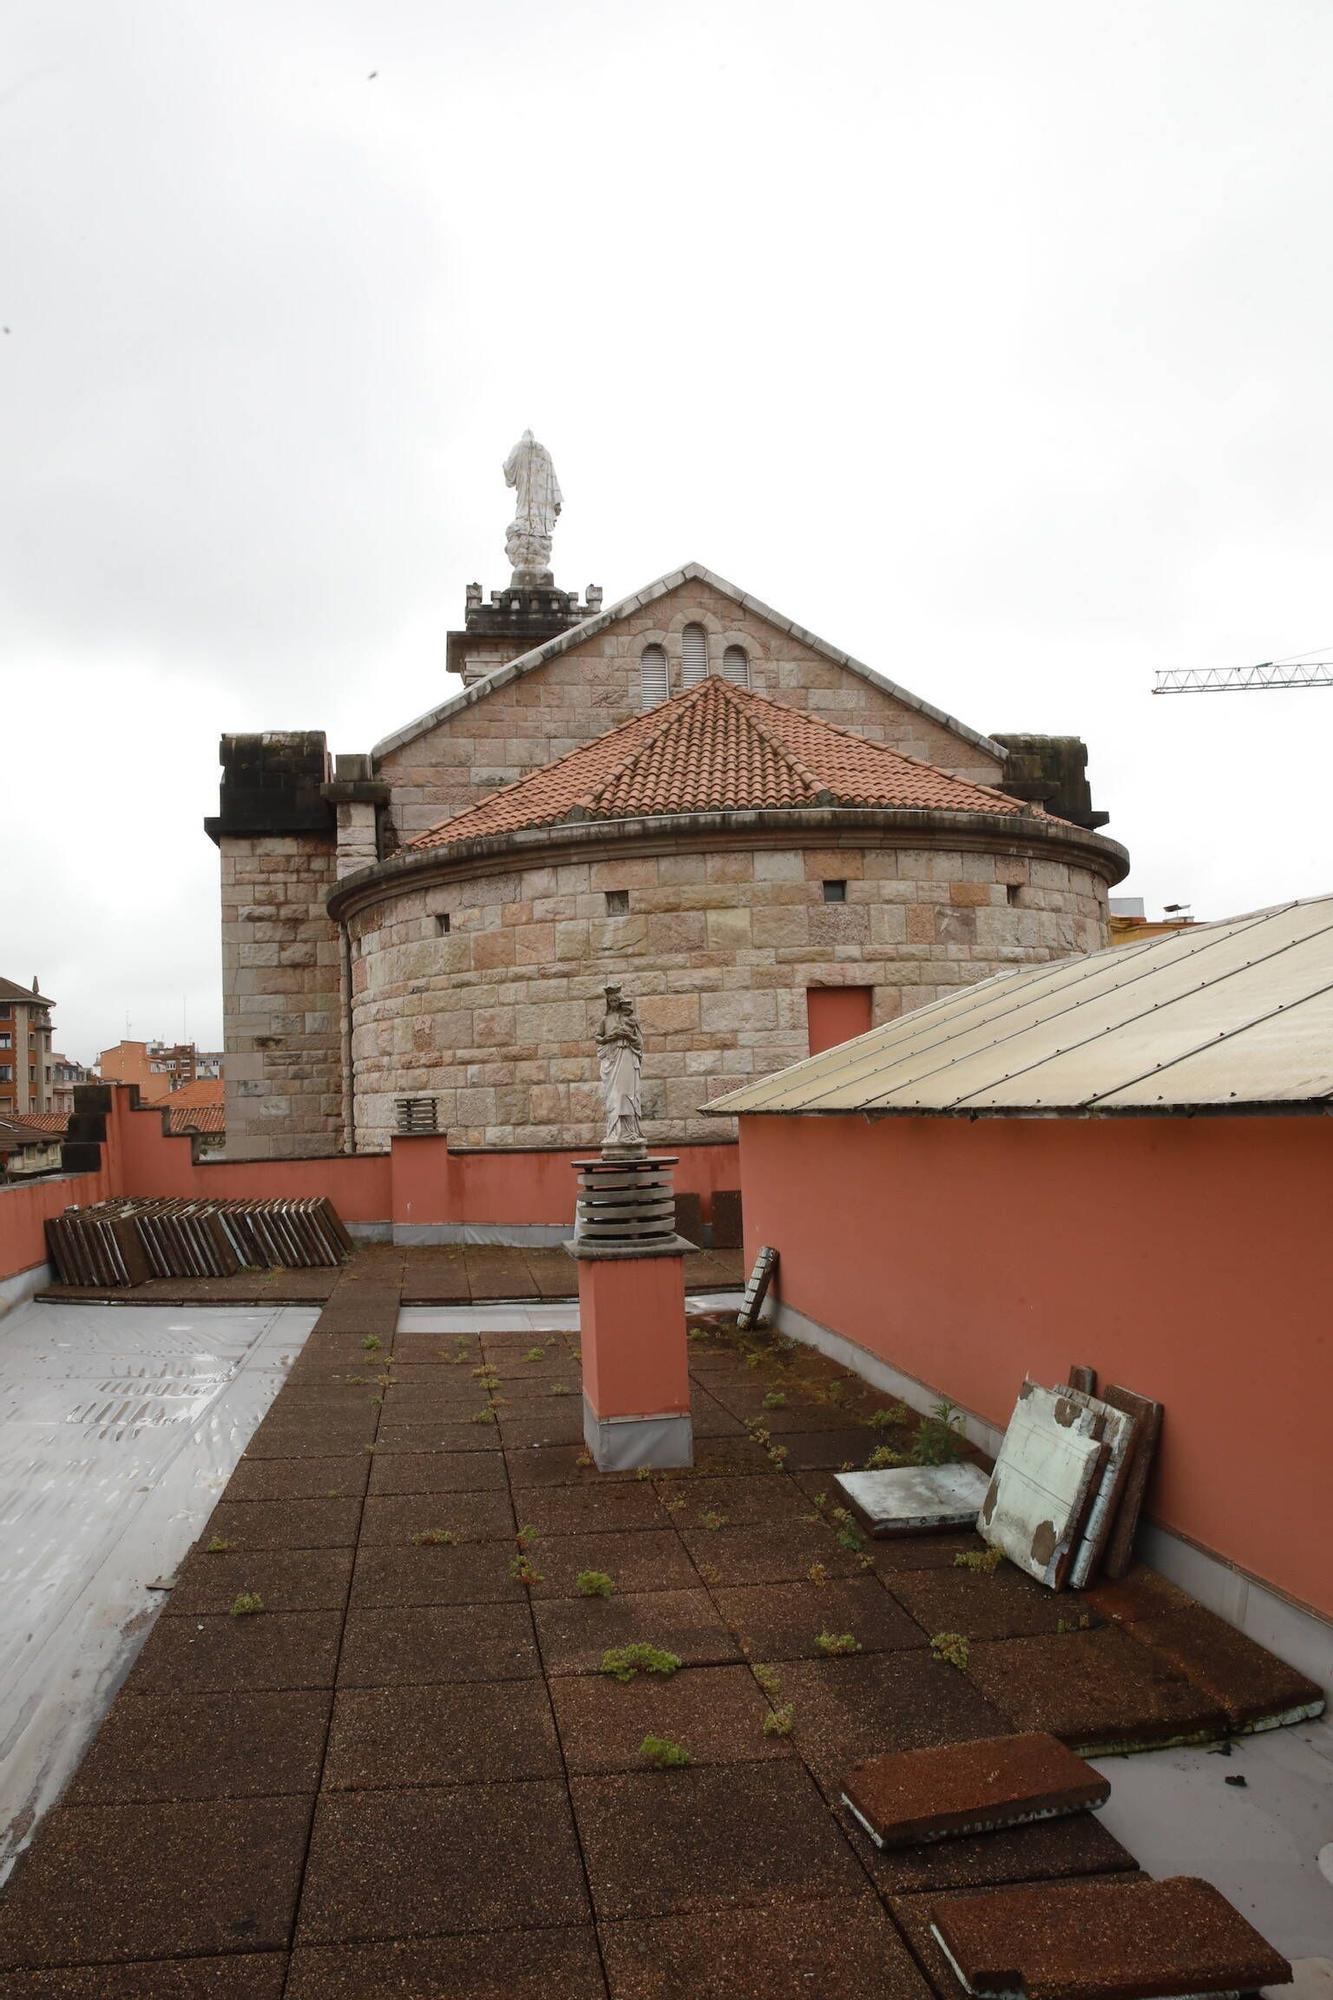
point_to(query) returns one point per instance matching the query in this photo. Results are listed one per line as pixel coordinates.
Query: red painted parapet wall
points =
(1188, 1258)
(420, 1182)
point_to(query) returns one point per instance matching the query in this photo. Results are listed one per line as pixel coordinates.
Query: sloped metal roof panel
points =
(1216, 1014)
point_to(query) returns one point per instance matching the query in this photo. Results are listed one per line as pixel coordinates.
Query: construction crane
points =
(1228, 680)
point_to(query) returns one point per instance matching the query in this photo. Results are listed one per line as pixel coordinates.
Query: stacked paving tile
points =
(408, 1774)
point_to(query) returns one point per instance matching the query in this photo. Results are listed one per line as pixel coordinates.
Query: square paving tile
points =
(286, 1579)
(394, 1519)
(796, 1412)
(421, 1644)
(1003, 1604)
(204, 1747)
(740, 1501)
(658, 1843)
(557, 1465)
(1243, 1678)
(717, 1714)
(284, 1524)
(776, 1552)
(401, 1472)
(271, 1649)
(455, 1401)
(841, 1950)
(902, 1554)
(914, 1916)
(473, 1573)
(286, 1437)
(556, 1420)
(574, 1633)
(827, 1450)
(124, 1882)
(781, 1621)
(636, 1561)
(467, 1858)
(436, 1435)
(456, 1735)
(859, 1707)
(1045, 1850)
(711, 1418)
(501, 1965)
(1094, 1690)
(299, 1478)
(726, 1458)
(575, 1510)
(248, 1976)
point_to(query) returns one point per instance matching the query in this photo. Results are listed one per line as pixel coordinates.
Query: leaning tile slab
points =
(464, 1734)
(1043, 1850)
(204, 1747)
(1042, 1484)
(252, 1976)
(782, 1621)
(271, 1649)
(666, 1842)
(845, 1949)
(910, 1796)
(1094, 1690)
(1119, 1432)
(915, 1499)
(1147, 1415)
(501, 1965)
(403, 1864)
(1076, 1940)
(286, 1579)
(1257, 1690)
(717, 1714)
(915, 1916)
(410, 1645)
(574, 1633)
(142, 1881)
(1005, 1604)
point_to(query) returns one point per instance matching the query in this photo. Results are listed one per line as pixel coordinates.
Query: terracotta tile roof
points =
(18, 1132)
(200, 1090)
(55, 1122)
(194, 1117)
(717, 749)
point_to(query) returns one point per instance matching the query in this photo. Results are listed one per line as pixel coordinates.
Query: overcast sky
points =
(988, 338)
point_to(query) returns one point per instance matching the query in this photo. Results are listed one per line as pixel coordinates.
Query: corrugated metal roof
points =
(1218, 1015)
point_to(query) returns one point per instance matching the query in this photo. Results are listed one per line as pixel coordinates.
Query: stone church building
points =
(769, 844)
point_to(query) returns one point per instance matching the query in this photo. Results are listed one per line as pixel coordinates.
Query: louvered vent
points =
(653, 683)
(693, 656)
(417, 1114)
(736, 666)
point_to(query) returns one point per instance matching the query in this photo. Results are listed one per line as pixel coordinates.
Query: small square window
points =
(835, 892)
(617, 902)
(1011, 890)
(442, 924)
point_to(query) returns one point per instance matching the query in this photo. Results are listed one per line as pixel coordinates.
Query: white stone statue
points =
(620, 1057)
(528, 469)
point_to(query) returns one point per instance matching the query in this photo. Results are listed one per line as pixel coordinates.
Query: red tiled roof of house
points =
(200, 1090)
(193, 1117)
(717, 748)
(47, 1121)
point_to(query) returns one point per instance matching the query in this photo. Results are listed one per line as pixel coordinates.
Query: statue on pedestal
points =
(620, 1058)
(528, 469)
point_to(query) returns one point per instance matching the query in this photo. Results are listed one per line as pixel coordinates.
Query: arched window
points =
(693, 656)
(653, 684)
(736, 666)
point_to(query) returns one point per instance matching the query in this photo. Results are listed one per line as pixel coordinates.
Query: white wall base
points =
(536, 1235)
(1293, 1632)
(22, 1285)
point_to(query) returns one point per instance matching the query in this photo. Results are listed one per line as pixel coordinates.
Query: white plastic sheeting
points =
(119, 1427)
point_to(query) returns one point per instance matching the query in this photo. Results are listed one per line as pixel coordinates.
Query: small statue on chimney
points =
(620, 1059)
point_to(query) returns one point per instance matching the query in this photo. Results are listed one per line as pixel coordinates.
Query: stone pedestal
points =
(636, 1385)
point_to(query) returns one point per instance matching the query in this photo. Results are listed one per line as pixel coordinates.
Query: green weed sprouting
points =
(524, 1571)
(893, 1416)
(219, 1546)
(985, 1560)
(246, 1603)
(884, 1456)
(663, 1754)
(778, 1721)
(775, 1400)
(594, 1583)
(535, 1354)
(939, 1439)
(435, 1538)
(712, 1519)
(372, 1343)
(951, 1647)
(835, 1645)
(623, 1662)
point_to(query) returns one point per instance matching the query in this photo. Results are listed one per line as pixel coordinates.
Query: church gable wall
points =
(578, 696)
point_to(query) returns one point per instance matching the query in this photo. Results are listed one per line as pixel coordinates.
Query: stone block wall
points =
(571, 700)
(282, 997)
(484, 990)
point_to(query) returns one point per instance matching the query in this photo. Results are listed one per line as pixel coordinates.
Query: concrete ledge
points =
(370, 1232)
(537, 1235)
(622, 1444)
(1293, 1632)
